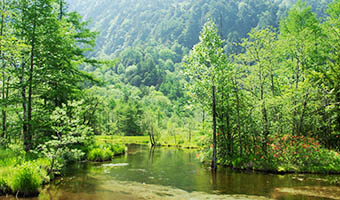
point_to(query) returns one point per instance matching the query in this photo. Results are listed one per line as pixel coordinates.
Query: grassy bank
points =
(164, 140)
(180, 141)
(105, 151)
(22, 174)
(122, 139)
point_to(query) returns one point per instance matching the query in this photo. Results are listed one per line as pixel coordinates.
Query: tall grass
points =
(105, 152)
(20, 175)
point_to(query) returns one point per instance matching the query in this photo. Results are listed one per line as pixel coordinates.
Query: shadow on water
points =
(170, 173)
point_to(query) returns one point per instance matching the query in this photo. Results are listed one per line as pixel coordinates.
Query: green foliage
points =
(100, 154)
(129, 117)
(204, 65)
(71, 136)
(105, 152)
(118, 149)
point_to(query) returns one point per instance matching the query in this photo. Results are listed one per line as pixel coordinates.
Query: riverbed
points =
(170, 173)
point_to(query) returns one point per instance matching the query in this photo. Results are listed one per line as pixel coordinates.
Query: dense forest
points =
(129, 23)
(253, 84)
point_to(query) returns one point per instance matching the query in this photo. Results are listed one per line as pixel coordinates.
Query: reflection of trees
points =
(214, 179)
(151, 153)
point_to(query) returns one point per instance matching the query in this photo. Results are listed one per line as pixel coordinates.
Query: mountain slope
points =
(125, 23)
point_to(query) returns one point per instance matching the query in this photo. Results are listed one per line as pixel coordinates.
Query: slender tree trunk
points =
(272, 83)
(151, 141)
(203, 118)
(151, 136)
(214, 160)
(27, 138)
(61, 9)
(4, 105)
(265, 119)
(238, 118)
(295, 123)
(30, 86)
(337, 97)
(303, 114)
(3, 73)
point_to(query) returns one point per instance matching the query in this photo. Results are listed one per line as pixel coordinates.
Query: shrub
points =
(107, 154)
(297, 153)
(94, 154)
(100, 154)
(117, 149)
(26, 180)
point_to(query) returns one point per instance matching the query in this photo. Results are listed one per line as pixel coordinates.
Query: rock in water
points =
(116, 165)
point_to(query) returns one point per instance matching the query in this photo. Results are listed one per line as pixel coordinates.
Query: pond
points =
(170, 173)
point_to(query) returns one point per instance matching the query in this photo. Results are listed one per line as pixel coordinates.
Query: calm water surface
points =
(169, 173)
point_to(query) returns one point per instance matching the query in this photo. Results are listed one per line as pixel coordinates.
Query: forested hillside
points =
(127, 23)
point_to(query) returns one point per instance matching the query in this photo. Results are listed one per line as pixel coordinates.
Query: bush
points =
(100, 154)
(105, 152)
(117, 149)
(295, 153)
(279, 154)
(26, 180)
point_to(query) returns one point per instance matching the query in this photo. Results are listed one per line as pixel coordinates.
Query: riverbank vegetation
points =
(165, 140)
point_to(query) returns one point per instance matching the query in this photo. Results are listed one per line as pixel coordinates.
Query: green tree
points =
(259, 67)
(300, 37)
(204, 66)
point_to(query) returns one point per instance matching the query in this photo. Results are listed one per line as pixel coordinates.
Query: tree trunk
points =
(3, 74)
(337, 97)
(214, 160)
(265, 119)
(30, 87)
(27, 138)
(151, 141)
(4, 99)
(295, 123)
(238, 118)
(61, 9)
(151, 136)
(229, 136)
(303, 114)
